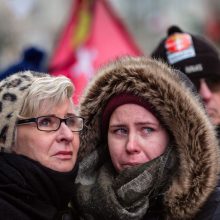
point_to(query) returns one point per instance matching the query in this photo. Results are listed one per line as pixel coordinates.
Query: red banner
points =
(93, 36)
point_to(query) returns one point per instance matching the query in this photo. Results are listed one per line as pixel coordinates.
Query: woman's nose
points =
(132, 145)
(65, 132)
(205, 91)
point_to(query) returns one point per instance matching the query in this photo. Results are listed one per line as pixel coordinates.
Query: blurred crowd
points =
(25, 23)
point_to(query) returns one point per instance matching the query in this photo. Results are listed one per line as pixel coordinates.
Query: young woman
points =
(149, 150)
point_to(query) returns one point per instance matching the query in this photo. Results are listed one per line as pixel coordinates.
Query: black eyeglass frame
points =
(35, 120)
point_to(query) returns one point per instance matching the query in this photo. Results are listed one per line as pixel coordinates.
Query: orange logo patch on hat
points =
(179, 47)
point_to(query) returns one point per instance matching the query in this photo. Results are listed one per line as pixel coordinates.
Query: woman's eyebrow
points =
(71, 114)
(117, 125)
(146, 123)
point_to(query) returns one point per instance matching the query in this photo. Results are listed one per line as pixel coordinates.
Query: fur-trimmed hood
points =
(182, 113)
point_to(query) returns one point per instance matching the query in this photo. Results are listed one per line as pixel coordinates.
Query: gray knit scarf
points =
(123, 196)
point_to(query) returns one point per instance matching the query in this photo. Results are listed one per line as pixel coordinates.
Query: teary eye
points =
(120, 131)
(148, 130)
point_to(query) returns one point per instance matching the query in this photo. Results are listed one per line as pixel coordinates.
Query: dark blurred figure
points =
(199, 60)
(32, 59)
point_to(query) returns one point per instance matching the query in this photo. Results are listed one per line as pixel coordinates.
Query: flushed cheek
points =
(75, 154)
(40, 151)
(116, 158)
(154, 150)
(75, 143)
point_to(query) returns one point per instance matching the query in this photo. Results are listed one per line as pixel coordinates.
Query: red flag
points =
(93, 36)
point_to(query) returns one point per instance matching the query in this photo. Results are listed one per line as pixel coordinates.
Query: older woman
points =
(39, 139)
(150, 151)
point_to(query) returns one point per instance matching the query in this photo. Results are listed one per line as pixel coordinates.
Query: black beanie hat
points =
(193, 55)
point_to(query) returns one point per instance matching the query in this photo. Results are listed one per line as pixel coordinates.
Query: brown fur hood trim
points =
(183, 115)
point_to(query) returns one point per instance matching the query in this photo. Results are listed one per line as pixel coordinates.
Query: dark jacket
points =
(209, 211)
(190, 187)
(29, 191)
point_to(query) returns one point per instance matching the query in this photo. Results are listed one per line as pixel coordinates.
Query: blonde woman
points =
(39, 139)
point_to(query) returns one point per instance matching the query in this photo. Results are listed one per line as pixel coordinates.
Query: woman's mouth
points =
(64, 154)
(127, 165)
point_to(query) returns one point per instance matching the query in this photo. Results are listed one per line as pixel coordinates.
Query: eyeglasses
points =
(213, 83)
(52, 123)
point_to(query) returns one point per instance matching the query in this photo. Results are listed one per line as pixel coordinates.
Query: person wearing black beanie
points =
(198, 58)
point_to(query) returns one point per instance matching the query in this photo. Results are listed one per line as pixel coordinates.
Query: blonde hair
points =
(46, 92)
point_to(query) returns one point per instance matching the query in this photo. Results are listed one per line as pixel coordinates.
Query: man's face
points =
(209, 90)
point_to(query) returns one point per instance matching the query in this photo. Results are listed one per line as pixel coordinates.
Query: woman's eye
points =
(45, 122)
(148, 130)
(120, 131)
(71, 121)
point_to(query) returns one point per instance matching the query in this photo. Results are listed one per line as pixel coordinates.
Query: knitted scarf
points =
(124, 196)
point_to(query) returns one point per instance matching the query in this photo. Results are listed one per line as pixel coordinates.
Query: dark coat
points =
(196, 148)
(29, 191)
(209, 211)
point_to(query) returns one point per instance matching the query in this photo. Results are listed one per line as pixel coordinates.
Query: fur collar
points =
(182, 113)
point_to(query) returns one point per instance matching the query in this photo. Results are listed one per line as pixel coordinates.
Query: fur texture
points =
(182, 114)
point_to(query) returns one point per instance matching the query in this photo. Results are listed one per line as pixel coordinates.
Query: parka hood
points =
(182, 113)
